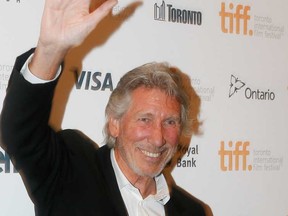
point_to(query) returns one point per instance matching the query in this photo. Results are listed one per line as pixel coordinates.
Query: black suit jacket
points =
(64, 172)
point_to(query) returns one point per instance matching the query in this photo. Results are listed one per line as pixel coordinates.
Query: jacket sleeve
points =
(33, 147)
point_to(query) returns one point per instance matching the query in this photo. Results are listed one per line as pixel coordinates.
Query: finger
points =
(94, 4)
(100, 12)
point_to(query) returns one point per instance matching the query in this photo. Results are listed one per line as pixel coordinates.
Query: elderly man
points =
(63, 172)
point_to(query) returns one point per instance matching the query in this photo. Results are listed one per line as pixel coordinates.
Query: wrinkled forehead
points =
(154, 98)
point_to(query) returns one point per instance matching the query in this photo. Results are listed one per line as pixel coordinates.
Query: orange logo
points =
(231, 156)
(235, 19)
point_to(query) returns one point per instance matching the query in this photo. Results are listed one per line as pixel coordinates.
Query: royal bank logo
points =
(235, 19)
(169, 13)
(189, 158)
(234, 156)
(237, 85)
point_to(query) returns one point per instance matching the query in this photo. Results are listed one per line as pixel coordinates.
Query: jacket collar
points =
(106, 166)
(109, 176)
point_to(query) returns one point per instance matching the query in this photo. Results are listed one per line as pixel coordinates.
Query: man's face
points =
(148, 134)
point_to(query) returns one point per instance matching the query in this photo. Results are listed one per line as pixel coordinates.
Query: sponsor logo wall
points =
(236, 55)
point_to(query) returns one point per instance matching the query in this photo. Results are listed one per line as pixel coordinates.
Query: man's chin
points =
(149, 173)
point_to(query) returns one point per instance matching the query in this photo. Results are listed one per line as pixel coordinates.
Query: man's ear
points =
(113, 127)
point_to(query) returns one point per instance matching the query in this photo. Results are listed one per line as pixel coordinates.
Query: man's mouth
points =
(150, 154)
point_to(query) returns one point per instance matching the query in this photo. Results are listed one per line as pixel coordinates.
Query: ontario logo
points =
(235, 19)
(234, 156)
(249, 93)
(169, 13)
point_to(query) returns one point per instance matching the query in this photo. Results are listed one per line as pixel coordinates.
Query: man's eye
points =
(171, 122)
(144, 119)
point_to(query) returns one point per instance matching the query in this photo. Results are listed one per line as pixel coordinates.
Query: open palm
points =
(66, 23)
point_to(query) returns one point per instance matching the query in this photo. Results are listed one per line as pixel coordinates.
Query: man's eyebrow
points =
(174, 117)
(146, 114)
(151, 115)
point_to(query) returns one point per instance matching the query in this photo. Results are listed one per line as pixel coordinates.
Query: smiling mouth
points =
(150, 154)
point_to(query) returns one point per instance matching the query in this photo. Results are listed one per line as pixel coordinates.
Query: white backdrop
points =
(236, 53)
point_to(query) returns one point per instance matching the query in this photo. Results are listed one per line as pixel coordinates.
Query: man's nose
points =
(157, 136)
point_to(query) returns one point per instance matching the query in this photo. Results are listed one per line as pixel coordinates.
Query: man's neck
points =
(145, 184)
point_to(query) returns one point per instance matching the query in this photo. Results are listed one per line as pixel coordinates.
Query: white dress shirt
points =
(153, 205)
(30, 77)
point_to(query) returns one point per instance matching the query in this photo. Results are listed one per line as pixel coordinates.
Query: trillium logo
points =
(235, 85)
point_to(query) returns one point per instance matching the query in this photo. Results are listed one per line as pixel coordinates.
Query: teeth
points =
(150, 154)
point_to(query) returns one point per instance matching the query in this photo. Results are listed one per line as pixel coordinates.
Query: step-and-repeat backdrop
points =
(236, 53)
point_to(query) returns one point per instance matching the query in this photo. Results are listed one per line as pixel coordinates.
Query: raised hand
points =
(65, 24)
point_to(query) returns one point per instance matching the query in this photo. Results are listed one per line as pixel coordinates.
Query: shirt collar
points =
(162, 196)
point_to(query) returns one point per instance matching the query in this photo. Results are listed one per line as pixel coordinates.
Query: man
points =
(63, 172)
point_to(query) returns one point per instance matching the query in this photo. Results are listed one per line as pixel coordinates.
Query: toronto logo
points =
(159, 11)
(169, 13)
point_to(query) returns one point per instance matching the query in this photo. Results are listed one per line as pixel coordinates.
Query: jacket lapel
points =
(110, 179)
(170, 209)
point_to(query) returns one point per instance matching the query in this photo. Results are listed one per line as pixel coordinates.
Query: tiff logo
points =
(235, 20)
(230, 156)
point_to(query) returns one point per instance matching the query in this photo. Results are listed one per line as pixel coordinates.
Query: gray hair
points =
(151, 75)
